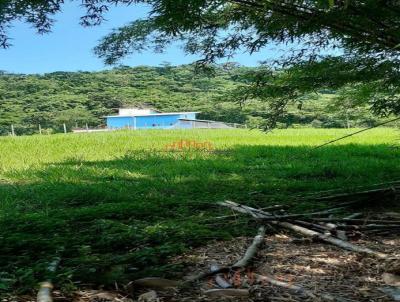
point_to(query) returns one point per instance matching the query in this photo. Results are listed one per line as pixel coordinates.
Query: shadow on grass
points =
(123, 218)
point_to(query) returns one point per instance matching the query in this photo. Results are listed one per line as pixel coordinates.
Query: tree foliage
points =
(365, 34)
(80, 98)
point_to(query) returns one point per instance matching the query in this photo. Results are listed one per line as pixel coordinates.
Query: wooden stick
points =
(274, 207)
(251, 250)
(266, 216)
(238, 208)
(241, 263)
(313, 225)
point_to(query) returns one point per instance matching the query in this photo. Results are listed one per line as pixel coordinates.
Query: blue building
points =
(133, 118)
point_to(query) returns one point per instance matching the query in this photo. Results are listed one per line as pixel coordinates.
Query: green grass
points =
(120, 206)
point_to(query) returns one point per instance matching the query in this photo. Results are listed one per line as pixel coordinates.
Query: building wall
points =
(118, 122)
(156, 122)
(148, 122)
(184, 124)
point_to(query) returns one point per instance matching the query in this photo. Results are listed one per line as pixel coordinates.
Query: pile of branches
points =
(318, 226)
(322, 226)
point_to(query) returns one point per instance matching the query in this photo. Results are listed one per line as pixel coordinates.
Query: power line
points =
(357, 132)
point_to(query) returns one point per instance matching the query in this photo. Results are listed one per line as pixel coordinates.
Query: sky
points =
(69, 47)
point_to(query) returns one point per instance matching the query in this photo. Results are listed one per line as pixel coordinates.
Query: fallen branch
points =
(241, 263)
(307, 232)
(335, 241)
(315, 226)
(251, 250)
(274, 208)
(266, 216)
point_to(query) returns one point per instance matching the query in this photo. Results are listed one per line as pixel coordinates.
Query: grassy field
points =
(115, 206)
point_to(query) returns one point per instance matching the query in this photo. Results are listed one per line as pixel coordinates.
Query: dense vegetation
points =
(113, 208)
(350, 44)
(77, 98)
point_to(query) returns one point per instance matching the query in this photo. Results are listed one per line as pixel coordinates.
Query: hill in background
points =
(79, 98)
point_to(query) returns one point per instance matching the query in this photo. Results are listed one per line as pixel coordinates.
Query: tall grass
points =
(120, 205)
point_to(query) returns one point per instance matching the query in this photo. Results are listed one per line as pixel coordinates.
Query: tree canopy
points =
(80, 98)
(366, 35)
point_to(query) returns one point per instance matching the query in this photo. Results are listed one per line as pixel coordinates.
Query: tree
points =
(365, 33)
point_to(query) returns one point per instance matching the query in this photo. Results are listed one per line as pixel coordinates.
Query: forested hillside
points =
(77, 98)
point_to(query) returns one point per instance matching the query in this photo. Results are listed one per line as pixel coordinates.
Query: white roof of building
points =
(153, 114)
(134, 111)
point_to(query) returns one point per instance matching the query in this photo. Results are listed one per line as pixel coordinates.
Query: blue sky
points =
(69, 46)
